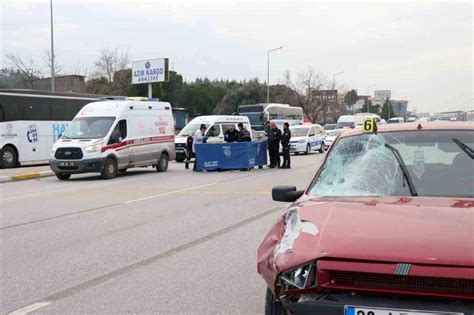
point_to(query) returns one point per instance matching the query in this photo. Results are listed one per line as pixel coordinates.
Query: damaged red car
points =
(385, 228)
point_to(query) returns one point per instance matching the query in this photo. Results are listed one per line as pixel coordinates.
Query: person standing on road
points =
(231, 135)
(244, 134)
(273, 141)
(199, 138)
(189, 149)
(285, 143)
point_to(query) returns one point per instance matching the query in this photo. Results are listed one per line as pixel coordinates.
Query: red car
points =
(385, 228)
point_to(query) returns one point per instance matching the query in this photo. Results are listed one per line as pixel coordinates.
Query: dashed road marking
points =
(30, 308)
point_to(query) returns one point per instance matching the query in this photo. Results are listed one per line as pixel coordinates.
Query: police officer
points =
(199, 137)
(189, 149)
(244, 134)
(273, 141)
(285, 143)
(231, 135)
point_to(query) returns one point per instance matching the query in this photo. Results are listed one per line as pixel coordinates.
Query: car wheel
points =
(308, 149)
(180, 159)
(62, 176)
(123, 170)
(162, 165)
(110, 169)
(321, 149)
(272, 306)
(8, 157)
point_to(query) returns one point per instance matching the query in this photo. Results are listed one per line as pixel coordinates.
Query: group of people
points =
(274, 137)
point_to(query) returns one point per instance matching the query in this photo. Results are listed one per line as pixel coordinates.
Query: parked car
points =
(307, 138)
(328, 127)
(385, 227)
(331, 136)
(396, 120)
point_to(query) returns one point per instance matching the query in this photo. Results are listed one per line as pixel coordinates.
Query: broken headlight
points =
(299, 278)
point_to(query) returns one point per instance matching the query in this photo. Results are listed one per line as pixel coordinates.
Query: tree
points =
(24, 66)
(111, 61)
(251, 92)
(387, 110)
(372, 109)
(351, 98)
(47, 61)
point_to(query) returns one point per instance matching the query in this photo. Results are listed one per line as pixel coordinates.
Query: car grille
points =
(68, 154)
(180, 145)
(396, 282)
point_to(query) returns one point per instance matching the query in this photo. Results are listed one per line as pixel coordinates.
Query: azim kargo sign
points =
(150, 71)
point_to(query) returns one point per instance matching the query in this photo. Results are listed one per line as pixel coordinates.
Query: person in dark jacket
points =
(189, 149)
(231, 135)
(285, 143)
(244, 134)
(273, 142)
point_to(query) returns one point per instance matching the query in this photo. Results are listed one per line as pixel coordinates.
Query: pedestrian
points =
(189, 149)
(273, 141)
(285, 143)
(199, 138)
(244, 134)
(231, 135)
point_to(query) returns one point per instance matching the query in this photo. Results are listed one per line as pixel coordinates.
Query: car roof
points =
(442, 125)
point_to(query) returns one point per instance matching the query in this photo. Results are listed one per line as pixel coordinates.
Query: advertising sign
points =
(150, 71)
(326, 95)
(382, 94)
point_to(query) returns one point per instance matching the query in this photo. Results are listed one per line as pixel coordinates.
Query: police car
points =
(307, 138)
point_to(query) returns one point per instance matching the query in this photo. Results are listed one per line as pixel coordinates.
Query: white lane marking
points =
(169, 193)
(30, 308)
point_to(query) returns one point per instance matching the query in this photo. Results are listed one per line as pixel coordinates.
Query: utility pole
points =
(268, 72)
(53, 88)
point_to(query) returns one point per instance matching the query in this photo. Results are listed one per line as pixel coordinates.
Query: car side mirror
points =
(60, 136)
(286, 193)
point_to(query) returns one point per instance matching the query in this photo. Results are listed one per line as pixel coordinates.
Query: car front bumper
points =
(297, 147)
(77, 166)
(336, 304)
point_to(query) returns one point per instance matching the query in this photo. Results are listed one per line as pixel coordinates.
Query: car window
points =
(214, 131)
(312, 132)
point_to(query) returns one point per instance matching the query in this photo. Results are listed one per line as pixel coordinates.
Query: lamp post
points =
(268, 72)
(368, 104)
(334, 79)
(52, 48)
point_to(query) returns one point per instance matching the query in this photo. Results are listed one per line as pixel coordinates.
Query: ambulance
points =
(111, 136)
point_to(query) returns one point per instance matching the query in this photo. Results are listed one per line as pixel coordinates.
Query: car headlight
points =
(54, 148)
(92, 148)
(299, 278)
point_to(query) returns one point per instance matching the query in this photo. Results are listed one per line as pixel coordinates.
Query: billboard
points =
(382, 94)
(150, 71)
(326, 95)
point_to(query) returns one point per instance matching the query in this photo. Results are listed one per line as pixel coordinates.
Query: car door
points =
(122, 150)
(312, 138)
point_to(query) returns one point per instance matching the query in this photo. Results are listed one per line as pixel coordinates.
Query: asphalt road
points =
(174, 242)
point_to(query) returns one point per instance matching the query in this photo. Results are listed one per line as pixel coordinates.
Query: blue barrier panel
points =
(229, 156)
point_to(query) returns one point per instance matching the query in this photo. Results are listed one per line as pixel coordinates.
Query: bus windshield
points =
(89, 128)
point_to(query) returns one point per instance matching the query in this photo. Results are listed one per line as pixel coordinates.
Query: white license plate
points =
(362, 310)
(66, 163)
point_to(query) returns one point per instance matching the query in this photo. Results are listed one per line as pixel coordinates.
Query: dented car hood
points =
(391, 229)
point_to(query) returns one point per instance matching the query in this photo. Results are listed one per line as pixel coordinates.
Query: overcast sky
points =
(420, 50)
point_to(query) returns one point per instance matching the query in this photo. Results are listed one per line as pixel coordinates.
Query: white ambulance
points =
(111, 136)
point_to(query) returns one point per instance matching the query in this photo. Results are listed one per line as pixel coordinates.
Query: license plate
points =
(66, 163)
(363, 310)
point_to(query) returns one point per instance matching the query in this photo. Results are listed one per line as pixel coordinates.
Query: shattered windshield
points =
(439, 163)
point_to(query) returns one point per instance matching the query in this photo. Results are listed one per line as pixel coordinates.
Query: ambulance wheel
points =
(110, 169)
(162, 165)
(308, 149)
(8, 157)
(62, 176)
(321, 149)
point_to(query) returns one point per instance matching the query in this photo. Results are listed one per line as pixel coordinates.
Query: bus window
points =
(9, 112)
(63, 109)
(36, 109)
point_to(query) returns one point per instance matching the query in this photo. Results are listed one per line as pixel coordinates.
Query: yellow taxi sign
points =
(369, 126)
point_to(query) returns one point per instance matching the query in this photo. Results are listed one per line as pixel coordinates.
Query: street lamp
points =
(334, 79)
(368, 104)
(268, 72)
(52, 47)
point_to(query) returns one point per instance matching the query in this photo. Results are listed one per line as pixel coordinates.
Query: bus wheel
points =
(162, 165)
(62, 176)
(110, 169)
(8, 157)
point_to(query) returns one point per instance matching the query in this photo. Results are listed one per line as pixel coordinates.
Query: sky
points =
(420, 50)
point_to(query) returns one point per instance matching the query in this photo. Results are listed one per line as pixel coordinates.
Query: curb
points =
(26, 176)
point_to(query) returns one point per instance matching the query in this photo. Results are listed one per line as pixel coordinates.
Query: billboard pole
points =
(149, 91)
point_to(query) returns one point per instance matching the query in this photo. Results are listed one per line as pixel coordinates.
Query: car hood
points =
(413, 230)
(81, 143)
(180, 139)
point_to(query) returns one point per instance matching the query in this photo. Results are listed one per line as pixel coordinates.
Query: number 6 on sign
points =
(369, 126)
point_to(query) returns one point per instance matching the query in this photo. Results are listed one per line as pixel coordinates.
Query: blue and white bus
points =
(259, 114)
(31, 122)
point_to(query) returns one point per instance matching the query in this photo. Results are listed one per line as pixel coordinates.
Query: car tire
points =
(123, 170)
(180, 159)
(272, 306)
(110, 169)
(162, 165)
(321, 149)
(62, 176)
(308, 149)
(8, 157)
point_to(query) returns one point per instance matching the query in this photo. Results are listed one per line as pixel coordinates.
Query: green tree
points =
(351, 98)
(387, 110)
(251, 92)
(372, 109)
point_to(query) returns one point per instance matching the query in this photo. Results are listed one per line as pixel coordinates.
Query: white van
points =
(307, 138)
(111, 136)
(216, 126)
(355, 121)
(396, 120)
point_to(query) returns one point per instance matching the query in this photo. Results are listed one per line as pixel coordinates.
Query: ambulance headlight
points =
(92, 148)
(54, 148)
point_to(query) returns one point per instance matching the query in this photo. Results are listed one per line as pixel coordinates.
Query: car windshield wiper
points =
(404, 169)
(465, 148)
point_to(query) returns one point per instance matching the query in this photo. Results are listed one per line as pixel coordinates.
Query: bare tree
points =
(111, 61)
(47, 60)
(25, 66)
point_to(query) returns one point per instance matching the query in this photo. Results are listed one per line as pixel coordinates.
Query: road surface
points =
(174, 242)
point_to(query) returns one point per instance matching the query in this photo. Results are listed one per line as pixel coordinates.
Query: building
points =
(400, 108)
(451, 116)
(63, 83)
(180, 117)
